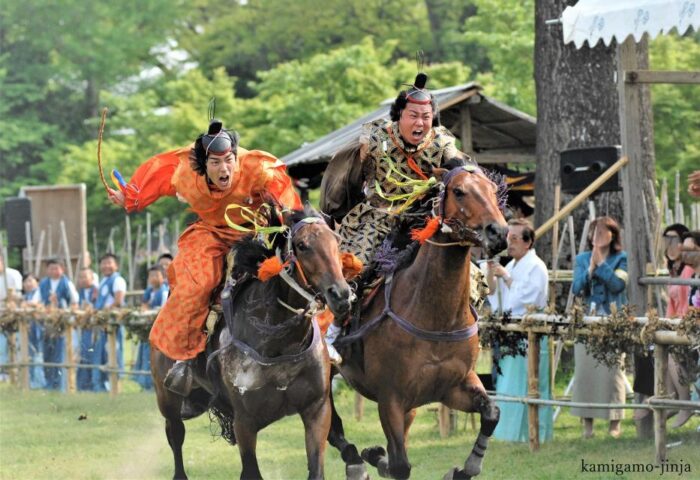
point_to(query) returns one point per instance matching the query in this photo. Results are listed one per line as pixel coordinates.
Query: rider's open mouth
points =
(417, 133)
(224, 180)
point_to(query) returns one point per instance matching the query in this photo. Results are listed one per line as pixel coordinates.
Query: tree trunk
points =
(577, 106)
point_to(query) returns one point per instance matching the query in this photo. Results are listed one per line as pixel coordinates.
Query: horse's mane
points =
(251, 251)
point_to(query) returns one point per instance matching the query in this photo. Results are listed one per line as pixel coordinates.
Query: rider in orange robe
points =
(209, 175)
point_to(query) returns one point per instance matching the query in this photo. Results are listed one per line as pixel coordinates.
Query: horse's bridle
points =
(473, 238)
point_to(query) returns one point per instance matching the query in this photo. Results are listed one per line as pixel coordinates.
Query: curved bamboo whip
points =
(99, 148)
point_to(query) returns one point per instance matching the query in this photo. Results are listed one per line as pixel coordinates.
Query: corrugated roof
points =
(497, 129)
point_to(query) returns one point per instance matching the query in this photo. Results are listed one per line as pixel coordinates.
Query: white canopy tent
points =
(594, 20)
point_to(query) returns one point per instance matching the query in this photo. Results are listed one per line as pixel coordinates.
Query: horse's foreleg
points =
(247, 436)
(395, 465)
(354, 466)
(471, 397)
(317, 424)
(175, 432)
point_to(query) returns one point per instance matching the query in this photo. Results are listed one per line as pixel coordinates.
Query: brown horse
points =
(419, 331)
(272, 361)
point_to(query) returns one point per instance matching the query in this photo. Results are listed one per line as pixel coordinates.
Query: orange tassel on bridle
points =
(422, 234)
(352, 266)
(270, 268)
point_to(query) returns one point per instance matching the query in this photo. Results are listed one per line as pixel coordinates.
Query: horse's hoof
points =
(456, 474)
(372, 455)
(356, 472)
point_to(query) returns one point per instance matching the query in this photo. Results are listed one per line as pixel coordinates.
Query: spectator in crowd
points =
(87, 296)
(10, 289)
(57, 291)
(600, 277)
(690, 254)
(164, 261)
(521, 284)
(153, 298)
(32, 298)
(110, 294)
(677, 307)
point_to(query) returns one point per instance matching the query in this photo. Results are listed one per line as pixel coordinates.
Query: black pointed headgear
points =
(217, 141)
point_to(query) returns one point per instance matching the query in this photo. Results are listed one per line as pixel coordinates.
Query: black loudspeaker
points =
(581, 166)
(18, 211)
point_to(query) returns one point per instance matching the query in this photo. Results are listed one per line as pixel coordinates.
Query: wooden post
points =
(533, 390)
(112, 360)
(71, 379)
(660, 369)
(359, 406)
(24, 353)
(444, 420)
(633, 175)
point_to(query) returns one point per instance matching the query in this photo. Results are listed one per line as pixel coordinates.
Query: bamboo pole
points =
(660, 369)
(95, 248)
(176, 235)
(71, 380)
(39, 252)
(677, 199)
(50, 240)
(30, 250)
(129, 256)
(148, 240)
(112, 360)
(24, 353)
(578, 199)
(66, 250)
(533, 391)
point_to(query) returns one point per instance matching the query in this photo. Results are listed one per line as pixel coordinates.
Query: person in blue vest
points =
(153, 298)
(56, 291)
(87, 296)
(32, 298)
(110, 294)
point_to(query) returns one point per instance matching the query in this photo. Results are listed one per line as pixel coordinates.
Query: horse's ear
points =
(288, 217)
(309, 211)
(438, 173)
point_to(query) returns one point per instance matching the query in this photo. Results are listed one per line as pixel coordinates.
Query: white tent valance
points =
(593, 20)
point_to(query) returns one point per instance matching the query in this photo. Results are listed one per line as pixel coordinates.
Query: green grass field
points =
(42, 438)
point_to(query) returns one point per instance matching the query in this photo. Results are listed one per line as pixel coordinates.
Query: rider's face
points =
(220, 169)
(415, 122)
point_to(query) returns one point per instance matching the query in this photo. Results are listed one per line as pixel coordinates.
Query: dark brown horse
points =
(272, 361)
(420, 341)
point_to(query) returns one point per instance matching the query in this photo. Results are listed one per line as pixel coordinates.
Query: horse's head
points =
(315, 247)
(470, 204)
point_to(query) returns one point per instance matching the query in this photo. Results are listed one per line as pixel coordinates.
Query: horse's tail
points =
(220, 409)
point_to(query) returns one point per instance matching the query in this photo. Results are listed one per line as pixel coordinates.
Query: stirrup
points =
(179, 378)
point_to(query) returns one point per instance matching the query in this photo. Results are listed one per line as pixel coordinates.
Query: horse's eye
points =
(302, 247)
(457, 192)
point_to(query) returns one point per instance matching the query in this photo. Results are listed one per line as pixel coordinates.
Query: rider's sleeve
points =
(274, 181)
(152, 180)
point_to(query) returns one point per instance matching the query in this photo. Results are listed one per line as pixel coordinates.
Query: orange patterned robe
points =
(198, 266)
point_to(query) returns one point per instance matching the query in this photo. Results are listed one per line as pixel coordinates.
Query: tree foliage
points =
(284, 73)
